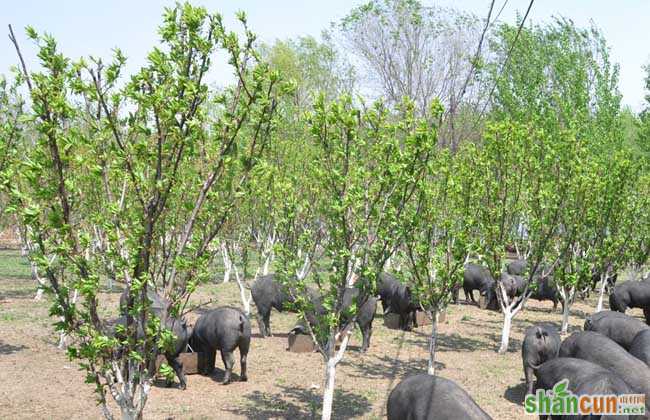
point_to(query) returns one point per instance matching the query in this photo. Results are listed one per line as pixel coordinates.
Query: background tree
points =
(424, 53)
(643, 133)
(316, 67)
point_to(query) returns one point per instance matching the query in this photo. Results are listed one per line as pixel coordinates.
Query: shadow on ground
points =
(453, 342)
(10, 349)
(24, 293)
(516, 393)
(299, 403)
(386, 366)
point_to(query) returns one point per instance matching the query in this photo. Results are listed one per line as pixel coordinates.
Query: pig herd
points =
(611, 355)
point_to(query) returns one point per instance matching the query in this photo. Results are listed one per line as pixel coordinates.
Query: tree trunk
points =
(246, 301)
(330, 371)
(267, 264)
(130, 395)
(388, 264)
(505, 333)
(25, 251)
(432, 342)
(328, 394)
(601, 294)
(130, 413)
(227, 263)
(566, 306)
(62, 336)
(39, 281)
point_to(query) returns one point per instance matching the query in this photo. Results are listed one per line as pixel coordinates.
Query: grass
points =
(13, 265)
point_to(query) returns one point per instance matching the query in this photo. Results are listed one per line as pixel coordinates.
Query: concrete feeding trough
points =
(300, 343)
(422, 319)
(442, 317)
(482, 302)
(391, 321)
(190, 362)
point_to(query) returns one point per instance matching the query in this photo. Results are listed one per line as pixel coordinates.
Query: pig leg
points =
(244, 345)
(267, 322)
(228, 362)
(176, 364)
(204, 361)
(528, 373)
(261, 323)
(242, 360)
(209, 361)
(405, 321)
(366, 331)
(646, 313)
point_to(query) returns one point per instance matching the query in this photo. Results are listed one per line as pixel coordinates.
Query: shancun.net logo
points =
(561, 400)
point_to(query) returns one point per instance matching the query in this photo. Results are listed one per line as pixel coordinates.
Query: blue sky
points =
(94, 27)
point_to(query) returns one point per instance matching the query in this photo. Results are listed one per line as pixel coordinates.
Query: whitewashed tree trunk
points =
(567, 297)
(130, 396)
(565, 318)
(39, 280)
(328, 395)
(509, 310)
(601, 292)
(432, 342)
(246, 300)
(388, 264)
(227, 263)
(267, 264)
(26, 248)
(267, 252)
(330, 376)
(306, 266)
(505, 333)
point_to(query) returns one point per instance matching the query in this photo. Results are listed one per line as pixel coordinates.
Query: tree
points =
(16, 139)
(436, 236)
(518, 195)
(643, 126)
(315, 67)
(343, 213)
(424, 53)
(558, 77)
(558, 81)
(140, 166)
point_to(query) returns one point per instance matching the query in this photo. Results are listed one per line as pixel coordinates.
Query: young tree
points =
(517, 187)
(560, 83)
(145, 165)
(436, 236)
(346, 207)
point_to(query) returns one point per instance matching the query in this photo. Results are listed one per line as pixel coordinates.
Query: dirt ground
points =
(38, 381)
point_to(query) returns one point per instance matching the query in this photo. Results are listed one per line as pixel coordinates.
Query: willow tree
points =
(145, 167)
